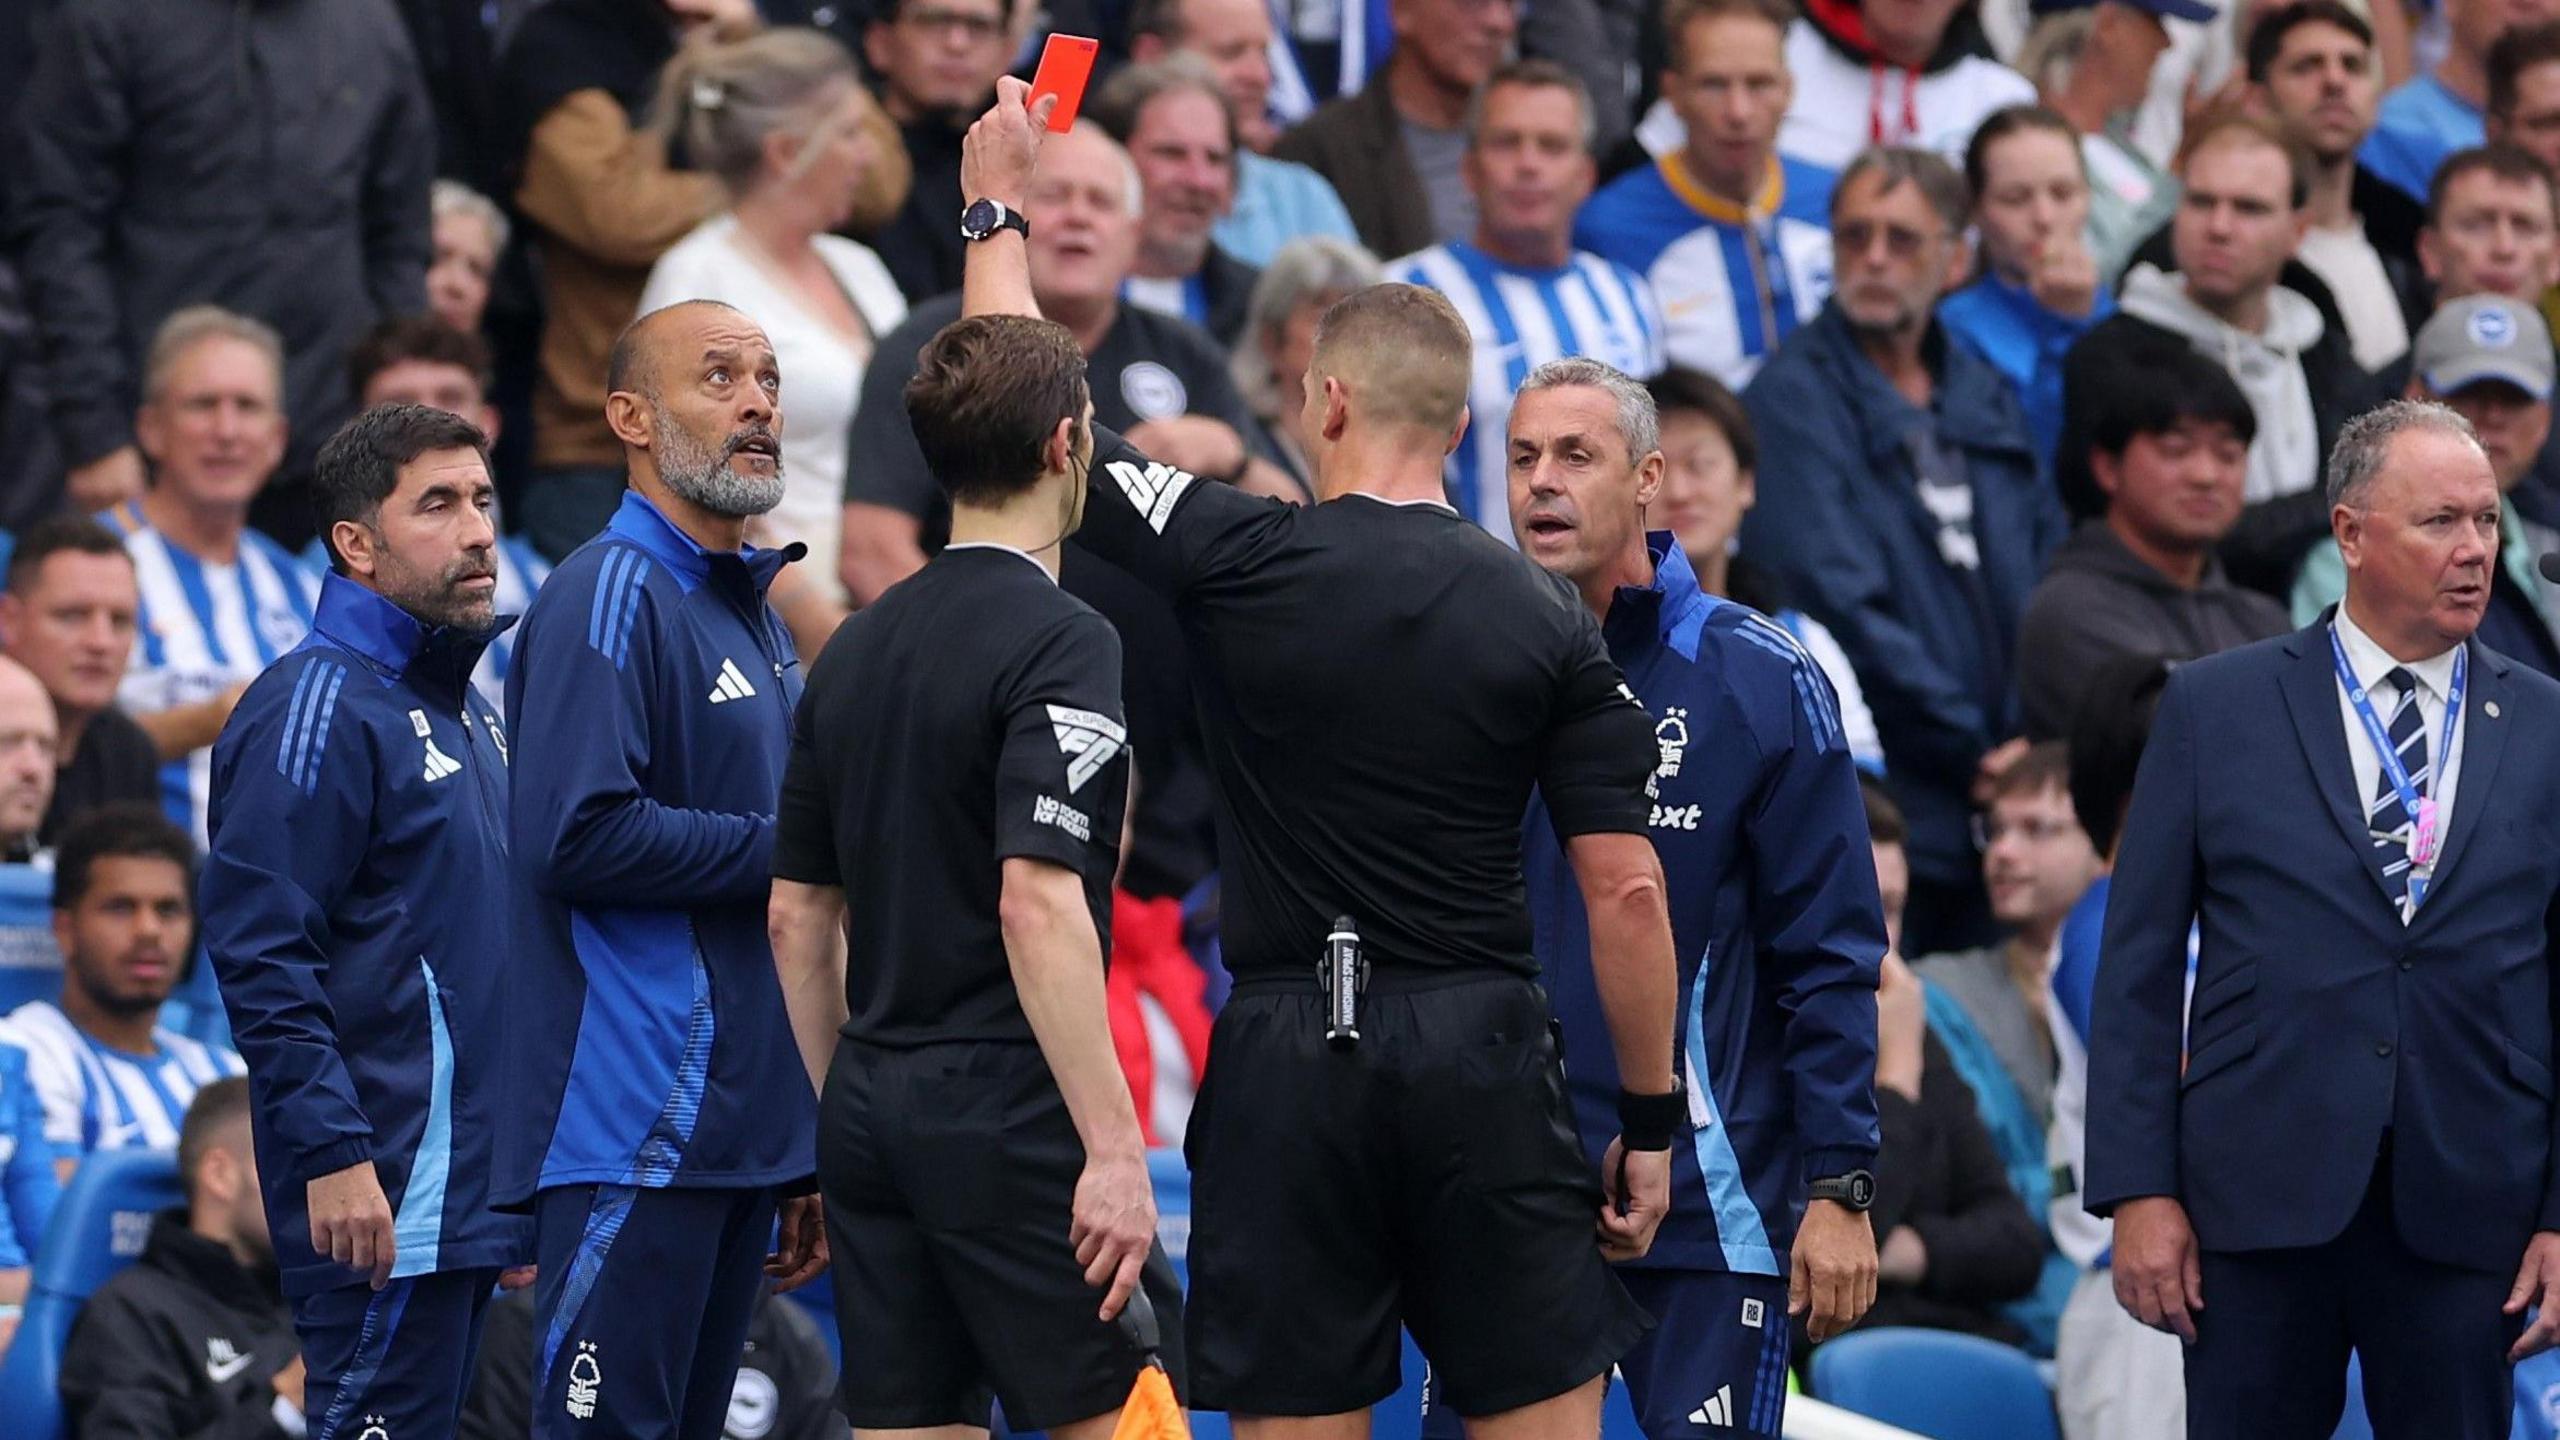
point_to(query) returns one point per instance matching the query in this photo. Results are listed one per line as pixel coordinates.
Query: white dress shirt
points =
(2370, 662)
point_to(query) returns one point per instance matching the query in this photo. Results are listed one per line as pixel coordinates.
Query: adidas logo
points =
(1717, 1411)
(732, 685)
(439, 764)
(1087, 740)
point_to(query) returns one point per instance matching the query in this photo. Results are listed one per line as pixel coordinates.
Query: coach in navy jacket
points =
(355, 908)
(662, 1110)
(2356, 1146)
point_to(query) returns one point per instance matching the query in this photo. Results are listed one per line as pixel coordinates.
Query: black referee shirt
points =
(1380, 686)
(970, 715)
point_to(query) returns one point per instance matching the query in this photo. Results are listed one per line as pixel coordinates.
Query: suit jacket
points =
(1357, 142)
(2318, 1020)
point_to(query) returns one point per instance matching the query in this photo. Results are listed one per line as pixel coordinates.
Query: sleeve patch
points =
(1088, 739)
(1152, 488)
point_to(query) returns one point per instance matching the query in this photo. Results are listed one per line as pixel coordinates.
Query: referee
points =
(960, 765)
(1381, 686)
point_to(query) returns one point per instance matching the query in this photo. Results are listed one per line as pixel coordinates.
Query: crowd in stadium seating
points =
(1998, 345)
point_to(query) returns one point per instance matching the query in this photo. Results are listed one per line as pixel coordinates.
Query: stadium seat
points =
(1936, 1383)
(30, 966)
(99, 1226)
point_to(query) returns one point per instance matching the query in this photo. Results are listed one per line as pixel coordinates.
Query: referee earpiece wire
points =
(1084, 473)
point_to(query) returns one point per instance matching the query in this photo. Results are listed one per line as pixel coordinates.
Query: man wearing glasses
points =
(1902, 504)
(936, 63)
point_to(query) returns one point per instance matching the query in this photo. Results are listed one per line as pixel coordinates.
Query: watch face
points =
(979, 220)
(1862, 1189)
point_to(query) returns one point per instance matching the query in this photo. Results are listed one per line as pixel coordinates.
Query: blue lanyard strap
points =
(2396, 773)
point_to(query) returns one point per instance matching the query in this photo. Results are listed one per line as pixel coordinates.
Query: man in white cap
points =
(2490, 358)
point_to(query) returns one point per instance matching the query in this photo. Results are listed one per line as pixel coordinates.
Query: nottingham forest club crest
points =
(585, 1377)
(1671, 734)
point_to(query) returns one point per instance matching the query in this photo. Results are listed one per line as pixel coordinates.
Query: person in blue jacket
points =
(2040, 287)
(661, 1115)
(1774, 912)
(1902, 504)
(354, 905)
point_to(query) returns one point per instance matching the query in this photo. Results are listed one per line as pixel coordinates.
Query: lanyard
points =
(2426, 839)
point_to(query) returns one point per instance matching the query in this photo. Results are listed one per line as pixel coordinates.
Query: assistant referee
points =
(1381, 685)
(959, 767)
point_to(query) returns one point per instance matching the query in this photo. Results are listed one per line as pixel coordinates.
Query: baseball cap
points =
(2484, 337)
(2191, 10)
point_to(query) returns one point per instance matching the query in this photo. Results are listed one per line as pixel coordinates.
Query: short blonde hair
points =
(452, 197)
(187, 328)
(1403, 349)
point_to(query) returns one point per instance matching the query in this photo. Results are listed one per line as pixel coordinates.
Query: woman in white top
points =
(778, 116)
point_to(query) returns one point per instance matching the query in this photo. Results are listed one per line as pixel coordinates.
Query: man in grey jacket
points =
(2166, 473)
(2242, 217)
(269, 156)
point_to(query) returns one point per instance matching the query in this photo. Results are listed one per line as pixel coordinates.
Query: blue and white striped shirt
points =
(1734, 282)
(97, 1098)
(205, 627)
(1521, 319)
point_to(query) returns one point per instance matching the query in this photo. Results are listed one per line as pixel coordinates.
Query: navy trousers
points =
(641, 1311)
(2270, 1358)
(393, 1362)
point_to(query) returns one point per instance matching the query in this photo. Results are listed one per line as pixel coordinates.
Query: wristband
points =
(1647, 1122)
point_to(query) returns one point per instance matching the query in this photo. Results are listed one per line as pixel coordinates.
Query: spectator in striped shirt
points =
(219, 601)
(1735, 237)
(1527, 295)
(109, 1076)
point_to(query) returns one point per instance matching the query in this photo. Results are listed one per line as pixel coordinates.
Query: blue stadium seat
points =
(1936, 1383)
(97, 1229)
(30, 966)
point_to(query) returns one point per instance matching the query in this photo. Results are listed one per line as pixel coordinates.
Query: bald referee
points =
(1381, 686)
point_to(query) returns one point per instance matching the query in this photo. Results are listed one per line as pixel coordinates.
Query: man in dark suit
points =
(2351, 1144)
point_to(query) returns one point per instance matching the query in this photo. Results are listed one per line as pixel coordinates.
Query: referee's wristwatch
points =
(1855, 1189)
(985, 218)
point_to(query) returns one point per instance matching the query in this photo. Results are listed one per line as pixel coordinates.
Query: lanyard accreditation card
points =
(2426, 834)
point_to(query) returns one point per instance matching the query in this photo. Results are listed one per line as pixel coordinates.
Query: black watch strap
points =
(1855, 1189)
(983, 219)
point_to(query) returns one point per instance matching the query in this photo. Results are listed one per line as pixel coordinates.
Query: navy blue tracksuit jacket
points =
(652, 694)
(1774, 915)
(354, 902)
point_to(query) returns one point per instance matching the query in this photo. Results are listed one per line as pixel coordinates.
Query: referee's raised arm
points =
(996, 160)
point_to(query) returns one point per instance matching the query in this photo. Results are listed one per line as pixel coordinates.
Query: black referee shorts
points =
(1430, 1177)
(949, 1173)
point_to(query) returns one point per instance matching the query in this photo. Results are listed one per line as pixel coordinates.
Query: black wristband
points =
(1647, 1122)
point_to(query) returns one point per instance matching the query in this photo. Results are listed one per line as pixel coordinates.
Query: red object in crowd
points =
(1148, 958)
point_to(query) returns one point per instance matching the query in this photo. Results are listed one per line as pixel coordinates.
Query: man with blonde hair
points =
(1382, 685)
(220, 601)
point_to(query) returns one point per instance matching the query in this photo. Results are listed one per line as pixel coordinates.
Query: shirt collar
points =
(1773, 192)
(1668, 598)
(1028, 558)
(2369, 662)
(645, 525)
(365, 622)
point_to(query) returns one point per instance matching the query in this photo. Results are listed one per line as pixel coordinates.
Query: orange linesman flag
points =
(1153, 1412)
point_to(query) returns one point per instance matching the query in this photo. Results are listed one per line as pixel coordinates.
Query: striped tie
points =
(2386, 818)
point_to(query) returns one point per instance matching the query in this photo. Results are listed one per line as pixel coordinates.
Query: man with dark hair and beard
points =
(354, 902)
(661, 1117)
